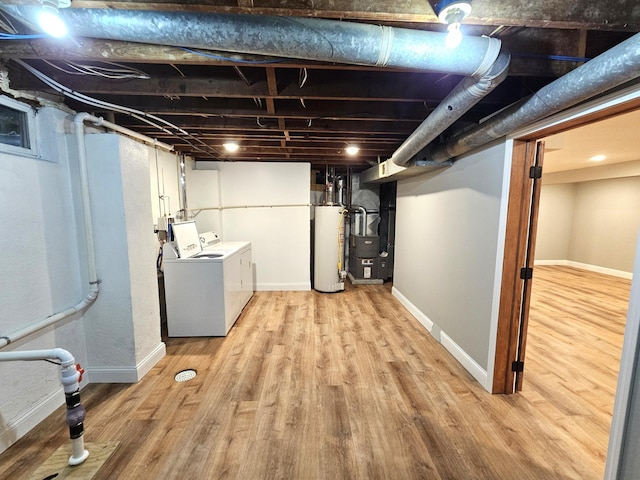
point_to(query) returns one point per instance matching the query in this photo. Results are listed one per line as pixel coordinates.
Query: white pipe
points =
(92, 294)
(70, 378)
(101, 122)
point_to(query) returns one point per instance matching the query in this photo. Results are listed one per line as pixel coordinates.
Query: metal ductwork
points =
(302, 38)
(464, 96)
(478, 58)
(614, 67)
(605, 72)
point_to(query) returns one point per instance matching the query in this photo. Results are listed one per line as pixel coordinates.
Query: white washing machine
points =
(205, 290)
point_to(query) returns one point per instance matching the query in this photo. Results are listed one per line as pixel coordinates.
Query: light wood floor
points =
(349, 385)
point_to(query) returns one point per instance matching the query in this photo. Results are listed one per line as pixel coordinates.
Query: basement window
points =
(16, 120)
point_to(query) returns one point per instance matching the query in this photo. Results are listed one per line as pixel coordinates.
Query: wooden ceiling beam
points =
(381, 90)
(556, 14)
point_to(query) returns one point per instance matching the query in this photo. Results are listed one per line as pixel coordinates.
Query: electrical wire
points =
(12, 36)
(120, 73)
(562, 58)
(150, 119)
(5, 23)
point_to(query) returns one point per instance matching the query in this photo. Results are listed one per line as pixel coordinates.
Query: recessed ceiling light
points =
(352, 150)
(598, 158)
(231, 146)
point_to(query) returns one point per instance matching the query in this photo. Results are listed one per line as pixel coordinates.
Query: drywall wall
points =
(554, 222)
(41, 273)
(449, 246)
(605, 223)
(602, 218)
(204, 198)
(268, 205)
(123, 325)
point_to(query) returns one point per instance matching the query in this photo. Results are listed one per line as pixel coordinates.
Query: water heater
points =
(328, 261)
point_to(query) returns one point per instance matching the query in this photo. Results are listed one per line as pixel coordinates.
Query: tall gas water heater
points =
(328, 261)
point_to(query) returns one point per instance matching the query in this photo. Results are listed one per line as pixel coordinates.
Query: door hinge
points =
(517, 367)
(526, 273)
(535, 172)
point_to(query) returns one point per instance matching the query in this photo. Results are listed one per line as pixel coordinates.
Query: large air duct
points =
(477, 58)
(289, 37)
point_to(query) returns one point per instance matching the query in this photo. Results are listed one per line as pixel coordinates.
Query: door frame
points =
(510, 314)
(517, 258)
(610, 105)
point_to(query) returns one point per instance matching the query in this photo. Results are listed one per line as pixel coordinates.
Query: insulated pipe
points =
(70, 376)
(612, 68)
(464, 96)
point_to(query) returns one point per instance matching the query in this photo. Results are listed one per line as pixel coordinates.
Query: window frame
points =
(31, 150)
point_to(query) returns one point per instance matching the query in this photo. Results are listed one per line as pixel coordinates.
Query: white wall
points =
(40, 274)
(267, 204)
(594, 223)
(555, 218)
(44, 269)
(449, 245)
(204, 200)
(123, 326)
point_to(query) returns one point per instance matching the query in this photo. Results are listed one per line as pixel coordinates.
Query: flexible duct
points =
(478, 58)
(614, 67)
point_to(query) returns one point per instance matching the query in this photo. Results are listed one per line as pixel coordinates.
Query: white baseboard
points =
(413, 310)
(283, 287)
(586, 266)
(126, 374)
(465, 360)
(150, 360)
(11, 433)
(445, 340)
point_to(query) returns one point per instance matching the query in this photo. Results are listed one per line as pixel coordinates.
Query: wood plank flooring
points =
(350, 386)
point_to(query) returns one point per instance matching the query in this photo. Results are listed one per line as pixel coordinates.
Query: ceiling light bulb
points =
(455, 11)
(352, 150)
(598, 158)
(454, 37)
(231, 147)
(51, 23)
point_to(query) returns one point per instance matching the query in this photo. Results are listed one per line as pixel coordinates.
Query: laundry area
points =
(227, 229)
(205, 288)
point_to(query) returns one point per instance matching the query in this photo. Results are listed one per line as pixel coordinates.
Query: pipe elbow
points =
(64, 356)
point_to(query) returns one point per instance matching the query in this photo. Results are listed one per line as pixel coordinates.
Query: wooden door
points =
(517, 270)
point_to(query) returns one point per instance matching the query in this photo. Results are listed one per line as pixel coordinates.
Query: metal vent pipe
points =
(464, 96)
(614, 67)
